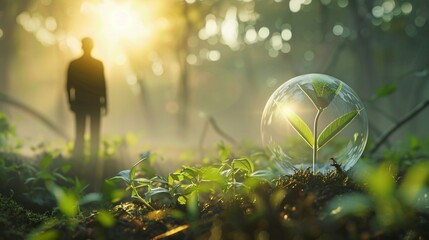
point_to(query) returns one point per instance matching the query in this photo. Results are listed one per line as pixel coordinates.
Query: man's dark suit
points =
(86, 89)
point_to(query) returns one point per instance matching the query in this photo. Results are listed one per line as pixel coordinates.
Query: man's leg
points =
(79, 136)
(96, 165)
(95, 134)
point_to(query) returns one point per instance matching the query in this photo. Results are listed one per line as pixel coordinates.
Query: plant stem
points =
(315, 147)
(145, 203)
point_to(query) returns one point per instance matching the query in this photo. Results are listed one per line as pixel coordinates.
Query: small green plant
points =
(8, 142)
(321, 94)
(134, 184)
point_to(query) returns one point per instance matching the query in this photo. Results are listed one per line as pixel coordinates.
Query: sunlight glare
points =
(286, 109)
(121, 22)
(229, 28)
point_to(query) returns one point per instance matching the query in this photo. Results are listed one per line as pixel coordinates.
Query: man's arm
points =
(103, 96)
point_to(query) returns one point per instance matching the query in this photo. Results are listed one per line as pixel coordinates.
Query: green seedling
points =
(321, 94)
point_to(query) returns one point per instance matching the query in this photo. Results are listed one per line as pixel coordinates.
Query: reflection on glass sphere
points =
(312, 118)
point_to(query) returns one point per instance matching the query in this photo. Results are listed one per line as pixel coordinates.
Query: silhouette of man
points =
(86, 90)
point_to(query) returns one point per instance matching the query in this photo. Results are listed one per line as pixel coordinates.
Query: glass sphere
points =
(312, 118)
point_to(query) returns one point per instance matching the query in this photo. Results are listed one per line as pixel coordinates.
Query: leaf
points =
(156, 191)
(223, 151)
(325, 91)
(237, 184)
(264, 174)
(45, 162)
(123, 175)
(353, 204)
(133, 170)
(159, 179)
(106, 219)
(68, 204)
(335, 127)
(309, 92)
(174, 177)
(338, 89)
(384, 91)
(142, 181)
(212, 175)
(321, 92)
(44, 235)
(66, 200)
(413, 185)
(300, 127)
(91, 198)
(243, 163)
(190, 172)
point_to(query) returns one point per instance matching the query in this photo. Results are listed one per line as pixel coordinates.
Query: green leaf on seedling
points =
(310, 93)
(123, 175)
(133, 170)
(321, 93)
(300, 127)
(211, 174)
(264, 174)
(129, 174)
(243, 163)
(335, 127)
(159, 179)
(156, 191)
(191, 172)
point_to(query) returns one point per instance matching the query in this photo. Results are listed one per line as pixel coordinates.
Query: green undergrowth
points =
(228, 196)
(235, 194)
(270, 210)
(15, 221)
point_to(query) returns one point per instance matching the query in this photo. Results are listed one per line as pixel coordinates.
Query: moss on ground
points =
(15, 221)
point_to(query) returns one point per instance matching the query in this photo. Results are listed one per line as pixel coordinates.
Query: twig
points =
(6, 99)
(211, 122)
(220, 132)
(395, 127)
(171, 232)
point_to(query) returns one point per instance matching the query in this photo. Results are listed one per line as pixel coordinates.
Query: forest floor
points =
(336, 205)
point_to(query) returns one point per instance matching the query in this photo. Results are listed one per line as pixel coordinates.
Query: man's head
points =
(87, 45)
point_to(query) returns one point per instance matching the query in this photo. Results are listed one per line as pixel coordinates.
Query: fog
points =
(170, 65)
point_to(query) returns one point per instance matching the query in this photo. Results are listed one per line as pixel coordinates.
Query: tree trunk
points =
(144, 96)
(363, 49)
(182, 52)
(6, 50)
(11, 9)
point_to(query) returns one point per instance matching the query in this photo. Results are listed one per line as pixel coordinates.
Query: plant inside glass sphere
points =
(326, 104)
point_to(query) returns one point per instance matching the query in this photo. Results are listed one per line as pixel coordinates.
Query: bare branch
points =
(220, 132)
(6, 99)
(395, 127)
(211, 122)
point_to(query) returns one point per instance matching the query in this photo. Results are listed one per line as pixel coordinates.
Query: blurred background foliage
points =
(172, 64)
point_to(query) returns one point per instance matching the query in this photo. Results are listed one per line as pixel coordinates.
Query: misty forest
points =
(214, 119)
